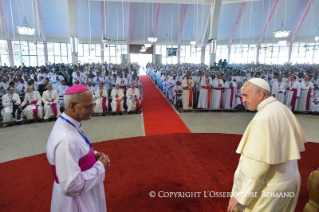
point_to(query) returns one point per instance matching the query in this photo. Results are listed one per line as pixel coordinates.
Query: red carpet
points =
(159, 117)
(180, 162)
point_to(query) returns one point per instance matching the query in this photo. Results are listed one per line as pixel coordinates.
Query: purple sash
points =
(54, 108)
(85, 163)
(221, 97)
(308, 99)
(293, 99)
(35, 111)
(104, 105)
(231, 96)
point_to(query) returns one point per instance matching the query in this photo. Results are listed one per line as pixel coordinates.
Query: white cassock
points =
(177, 89)
(117, 94)
(34, 102)
(279, 86)
(78, 176)
(293, 91)
(133, 99)
(314, 100)
(101, 101)
(238, 95)
(217, 94)
(8, 107)
(187, 97)
(229, 95)
(204, 100)
(61, 91)
(305, 95)
(267, 166)
(52, 109)
(92, 89)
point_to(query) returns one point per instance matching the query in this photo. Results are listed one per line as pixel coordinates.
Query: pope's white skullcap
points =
(260, 83)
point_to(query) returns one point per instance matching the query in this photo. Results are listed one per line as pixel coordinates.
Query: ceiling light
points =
(25, 29)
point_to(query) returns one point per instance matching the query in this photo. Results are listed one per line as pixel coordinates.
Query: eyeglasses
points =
(89, 107)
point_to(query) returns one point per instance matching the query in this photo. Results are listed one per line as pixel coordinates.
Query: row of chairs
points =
(22, 95)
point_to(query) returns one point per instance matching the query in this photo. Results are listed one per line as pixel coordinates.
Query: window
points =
(4, 53)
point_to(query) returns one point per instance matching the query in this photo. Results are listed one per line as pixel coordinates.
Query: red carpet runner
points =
(170, 163)
(159, 117)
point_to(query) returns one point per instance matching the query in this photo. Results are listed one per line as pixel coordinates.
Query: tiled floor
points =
(236, 123)
(30, 139)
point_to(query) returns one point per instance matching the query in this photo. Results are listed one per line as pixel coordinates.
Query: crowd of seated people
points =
(36, 93)
(214, 88)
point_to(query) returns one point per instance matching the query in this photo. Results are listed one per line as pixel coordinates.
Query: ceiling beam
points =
(211, 11)
(3, 18)
(240, 13)
(182, 24)
(129, 23)
(158, 8)
(206, 2)
(38, 5)
(102, 21)
(301, 20)
(271, 13)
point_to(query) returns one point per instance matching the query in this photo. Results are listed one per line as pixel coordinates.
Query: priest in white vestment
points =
(78, 170)
(33, 100)
(101, 97)
(229, 94)
(293, 93)
(50, 100)
(10, 103)
(187, 97)
(306, 88)
(217, 95)
(269, 148)
(117, 99)
(315, 99)
(278, 90)
(204, 94)
(133, 99)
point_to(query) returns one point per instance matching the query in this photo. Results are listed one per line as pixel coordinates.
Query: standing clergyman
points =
(78, 170)
(269, 148)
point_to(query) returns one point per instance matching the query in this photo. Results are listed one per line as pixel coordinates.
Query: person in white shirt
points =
(61, 91)
(117, 100)
(101, 97)
(133, 99)
(78, 169)
(10, 103)
(33, 100)
(91, 87)
(50, 100)
(278, 90)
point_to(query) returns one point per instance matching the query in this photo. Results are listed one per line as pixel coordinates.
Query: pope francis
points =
(269, 148)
